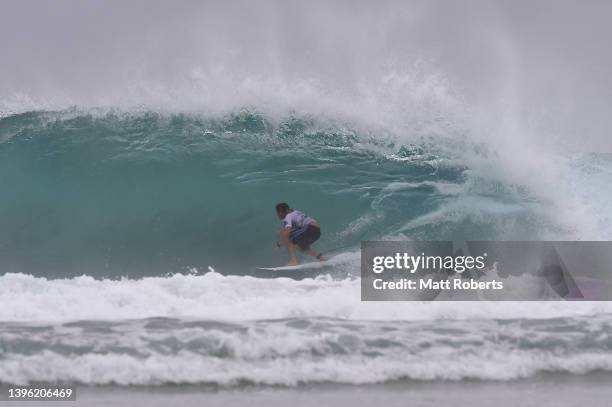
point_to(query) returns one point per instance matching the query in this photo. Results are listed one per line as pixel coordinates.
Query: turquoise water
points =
(129, 240)
(142, 194)
(144, 144)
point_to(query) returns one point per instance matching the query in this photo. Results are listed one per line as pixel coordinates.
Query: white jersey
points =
(297, 220)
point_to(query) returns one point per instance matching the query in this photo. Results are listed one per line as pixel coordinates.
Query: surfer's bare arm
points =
(283, 238)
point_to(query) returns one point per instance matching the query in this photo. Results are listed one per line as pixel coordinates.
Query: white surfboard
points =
(304, 266)
(298, 267)
(307, 270)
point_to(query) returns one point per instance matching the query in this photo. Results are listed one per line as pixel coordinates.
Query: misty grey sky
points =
(548, 60)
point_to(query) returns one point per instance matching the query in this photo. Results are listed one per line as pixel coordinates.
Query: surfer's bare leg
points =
(291, 249)
(284, 239)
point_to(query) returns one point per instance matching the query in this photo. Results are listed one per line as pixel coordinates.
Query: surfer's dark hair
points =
(282, 207)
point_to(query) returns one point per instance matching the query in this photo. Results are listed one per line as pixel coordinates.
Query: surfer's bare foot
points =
(292, 263)
(316, 255)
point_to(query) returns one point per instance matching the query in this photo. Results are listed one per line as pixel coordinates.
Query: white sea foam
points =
(303, 350)
(186, 367)
(239, 298)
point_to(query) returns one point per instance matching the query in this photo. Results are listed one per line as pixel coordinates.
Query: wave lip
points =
(117, 193)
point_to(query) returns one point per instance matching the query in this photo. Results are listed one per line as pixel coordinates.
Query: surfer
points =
(298, 230)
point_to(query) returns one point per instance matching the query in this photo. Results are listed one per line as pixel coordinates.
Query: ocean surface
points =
(129, 242)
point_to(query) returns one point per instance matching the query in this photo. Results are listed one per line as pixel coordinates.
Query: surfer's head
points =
(282, 209)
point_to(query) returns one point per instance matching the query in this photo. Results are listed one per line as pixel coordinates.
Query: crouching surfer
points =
(298, 230)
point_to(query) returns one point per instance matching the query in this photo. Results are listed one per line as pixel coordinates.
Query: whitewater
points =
(132, 240)
(139, 169)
